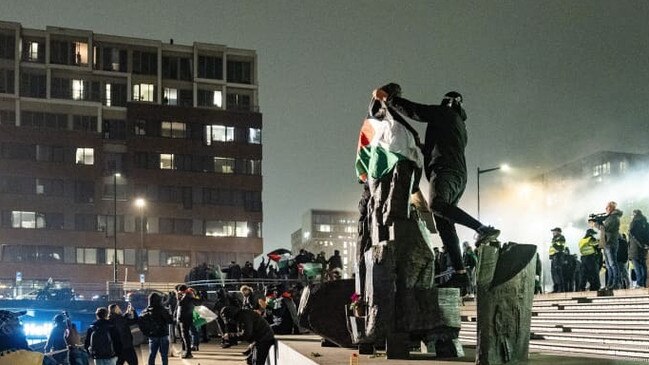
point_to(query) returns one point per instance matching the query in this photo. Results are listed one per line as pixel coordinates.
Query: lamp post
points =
(503, 167)
(140, 203)
(115, 176)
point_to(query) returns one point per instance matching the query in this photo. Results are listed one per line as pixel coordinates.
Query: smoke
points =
(527, 211)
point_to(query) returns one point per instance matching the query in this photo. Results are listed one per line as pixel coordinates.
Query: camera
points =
(597, 218)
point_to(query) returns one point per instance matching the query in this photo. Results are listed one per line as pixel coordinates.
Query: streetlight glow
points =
(140, 203)
(505, 167)
(117, 174)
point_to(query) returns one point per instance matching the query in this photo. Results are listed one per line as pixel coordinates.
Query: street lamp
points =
(115, 176)
(503, 167)
(140, 203)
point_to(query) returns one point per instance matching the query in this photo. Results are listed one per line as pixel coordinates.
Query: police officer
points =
(589, 263)
(557, 253)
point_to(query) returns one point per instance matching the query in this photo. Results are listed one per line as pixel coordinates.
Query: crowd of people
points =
(603, 248)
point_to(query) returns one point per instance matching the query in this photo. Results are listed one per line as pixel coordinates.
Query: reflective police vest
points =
(587, 246)
(558, 245)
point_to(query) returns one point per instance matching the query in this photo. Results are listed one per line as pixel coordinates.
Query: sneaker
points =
(486, 234)
(460, 281)
(187, 356)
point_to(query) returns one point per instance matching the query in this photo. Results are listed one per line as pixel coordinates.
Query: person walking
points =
(445, 168)
(154, 323)
(123, 322)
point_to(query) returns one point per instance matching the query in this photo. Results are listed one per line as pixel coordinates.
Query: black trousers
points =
(185, 328)
(128, 356)
(556, 268)
(445, 193)
(260, 352)
(590, 272)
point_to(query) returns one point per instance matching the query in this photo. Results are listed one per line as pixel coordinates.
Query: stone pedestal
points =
(505, 284)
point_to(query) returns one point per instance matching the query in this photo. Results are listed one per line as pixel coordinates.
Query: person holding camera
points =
(123, 322)
(185, 317)
(609, 229)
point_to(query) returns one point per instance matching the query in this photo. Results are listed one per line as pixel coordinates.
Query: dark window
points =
(7, 46)
(113, 162)
(175, 226)
(44, 120)
(85, 222)
(17, 185)
(115, 129)
(166, 225)
(176, 68)
(185, 97)
(84, 123)
(240, 72)
(6, 81)
(252, 201)
(33, 85)
(182, 162)
(145, 63)
(54, 220)
(237, 101)
(84, 191)
(17, 151)
(113, 59)
(210, 67)
(105, 223)
(61, 88)
(51, 187)
(7, 117)
(214, 196)
(114, 94)
(73, 53)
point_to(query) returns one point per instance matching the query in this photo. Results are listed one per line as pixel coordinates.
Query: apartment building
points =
(327, 231)
(126, 149)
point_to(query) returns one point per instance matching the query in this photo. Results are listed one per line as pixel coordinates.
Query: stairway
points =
(583, 324)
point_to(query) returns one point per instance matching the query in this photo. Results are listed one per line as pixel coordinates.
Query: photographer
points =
(609, 241)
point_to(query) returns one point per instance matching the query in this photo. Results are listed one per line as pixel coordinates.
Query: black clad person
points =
(251, 327)
(445, 168)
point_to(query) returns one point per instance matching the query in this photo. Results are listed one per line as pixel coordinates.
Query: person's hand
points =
(380, 94)
(226, 336)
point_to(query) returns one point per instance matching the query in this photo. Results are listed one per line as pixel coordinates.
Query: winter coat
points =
(160, 314)
(185, 311)
(123, 325)
(610, 229)
(56, 340)
(114, 335)
(636, 249)
(252, 328)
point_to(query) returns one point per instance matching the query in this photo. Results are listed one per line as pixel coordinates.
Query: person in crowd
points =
(623, 261)
(250, 301)
(470, 262)
(102, 339)
(609, 241)
(638, 241)
(557, 258)
(272, 272)
(284, 314)
(233, 272)
(171, 304)
(160, 319)
(322, 260)
(335, 261)
(185, 317)
(76, 354)
(248, 271)
(251, 328)
(56, 339)
(589, 264)
(123, 322)
(262, 270)
(13, 343)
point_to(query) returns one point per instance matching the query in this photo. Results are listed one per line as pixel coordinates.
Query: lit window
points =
(143, 92)
(224, 165)
(140, 127)
(20, 219)
(110, 254)
(219, 228)
(166, 161)
(254, 135)
(85, 156)
(171, 96)
(242, 229)
(218, 133)
(87, 255)
(81, 53)
(33, 51)
(323, 228)
(108, 102)
(77, 89)
(218, 98)
(173, 130)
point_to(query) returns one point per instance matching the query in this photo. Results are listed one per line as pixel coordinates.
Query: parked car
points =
(139, 299)
(62, 294)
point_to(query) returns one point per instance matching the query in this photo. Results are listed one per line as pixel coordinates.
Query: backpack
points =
(101, 344)
(149, 326)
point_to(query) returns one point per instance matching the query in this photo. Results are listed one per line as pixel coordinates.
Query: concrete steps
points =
(583, 324)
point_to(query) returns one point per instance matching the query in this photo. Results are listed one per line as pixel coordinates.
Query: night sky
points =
(544, 82)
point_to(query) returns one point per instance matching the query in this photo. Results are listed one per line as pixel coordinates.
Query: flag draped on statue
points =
(385, 138)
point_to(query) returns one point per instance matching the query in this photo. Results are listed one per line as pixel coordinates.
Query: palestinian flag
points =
(384, 141)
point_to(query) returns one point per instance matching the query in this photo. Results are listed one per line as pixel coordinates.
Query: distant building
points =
(329, 230)
(179, 124)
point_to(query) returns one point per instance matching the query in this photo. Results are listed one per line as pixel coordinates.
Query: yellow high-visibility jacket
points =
(587, 246)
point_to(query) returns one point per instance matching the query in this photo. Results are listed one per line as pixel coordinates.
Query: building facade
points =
(327, 231)
(89, 123)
